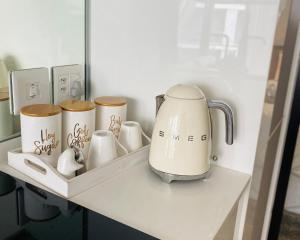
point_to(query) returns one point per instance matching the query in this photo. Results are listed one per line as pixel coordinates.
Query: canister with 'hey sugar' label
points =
(41, 131)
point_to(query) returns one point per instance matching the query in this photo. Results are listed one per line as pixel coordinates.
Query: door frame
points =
(287, 158)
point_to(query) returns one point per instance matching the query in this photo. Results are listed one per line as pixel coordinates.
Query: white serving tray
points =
(39, 170)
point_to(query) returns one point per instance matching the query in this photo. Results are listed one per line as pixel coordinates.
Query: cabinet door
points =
(101, 227)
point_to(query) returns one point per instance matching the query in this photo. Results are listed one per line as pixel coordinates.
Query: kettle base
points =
(168, 177)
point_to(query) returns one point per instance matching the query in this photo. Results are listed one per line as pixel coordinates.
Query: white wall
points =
(41, 33)
(139, 48)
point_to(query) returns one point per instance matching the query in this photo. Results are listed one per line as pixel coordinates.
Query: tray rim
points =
(94, 176)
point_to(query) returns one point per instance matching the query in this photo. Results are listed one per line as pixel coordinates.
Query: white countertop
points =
(180, 210)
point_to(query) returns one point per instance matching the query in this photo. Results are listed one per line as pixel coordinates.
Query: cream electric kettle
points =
(181, 140)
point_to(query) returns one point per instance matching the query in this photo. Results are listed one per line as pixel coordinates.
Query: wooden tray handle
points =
(38, 165)
(35, 167)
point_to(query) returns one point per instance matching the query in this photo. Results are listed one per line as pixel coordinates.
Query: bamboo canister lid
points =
(110, 101)
(4, 96)
(77, 105)
(41, 110)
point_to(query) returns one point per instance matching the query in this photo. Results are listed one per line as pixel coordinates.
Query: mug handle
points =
(121, 146)
(145, 136)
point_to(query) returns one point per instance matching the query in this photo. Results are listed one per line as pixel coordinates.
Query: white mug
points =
(130, 135)
(103, 149)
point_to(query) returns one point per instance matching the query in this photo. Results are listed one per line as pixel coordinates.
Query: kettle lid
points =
(189, 92)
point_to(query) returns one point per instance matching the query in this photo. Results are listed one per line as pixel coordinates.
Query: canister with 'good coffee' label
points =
(110, 113)
(41, 131)
(78, 124)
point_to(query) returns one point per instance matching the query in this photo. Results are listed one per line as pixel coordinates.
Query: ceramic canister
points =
(41, 131)
(78, 124)
(110, 113)
(6, 120)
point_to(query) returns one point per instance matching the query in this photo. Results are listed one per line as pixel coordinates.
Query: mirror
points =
(37, 34)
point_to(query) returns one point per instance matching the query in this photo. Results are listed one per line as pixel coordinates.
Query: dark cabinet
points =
(28, 212)
(101, 227)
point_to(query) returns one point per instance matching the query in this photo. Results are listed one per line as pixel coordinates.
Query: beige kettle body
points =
(181, 140)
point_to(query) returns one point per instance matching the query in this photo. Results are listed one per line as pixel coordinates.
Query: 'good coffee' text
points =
(78, 137)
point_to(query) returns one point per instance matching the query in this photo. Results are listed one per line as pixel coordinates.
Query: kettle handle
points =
(228, 117)
(159, 101)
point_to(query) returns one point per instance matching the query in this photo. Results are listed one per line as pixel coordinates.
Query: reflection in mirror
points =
(37, 34)
(30, 212)
(7, 184)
